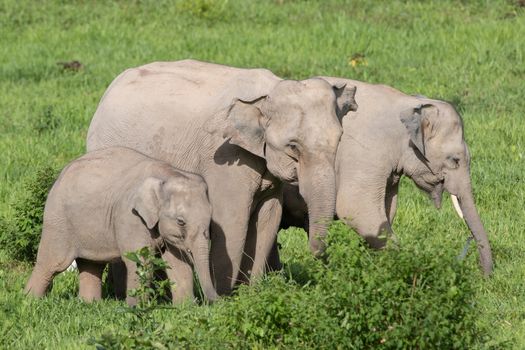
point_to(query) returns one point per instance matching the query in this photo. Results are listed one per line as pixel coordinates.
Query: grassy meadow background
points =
(471, 53)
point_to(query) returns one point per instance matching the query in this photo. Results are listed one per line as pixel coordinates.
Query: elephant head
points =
(296, 128)
(438, 159)
(181, 209)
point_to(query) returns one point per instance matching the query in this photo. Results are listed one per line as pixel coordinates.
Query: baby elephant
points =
(116, 200)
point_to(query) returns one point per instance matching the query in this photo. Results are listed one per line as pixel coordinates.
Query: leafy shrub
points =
(143, 329)
(21, 233)
(397, 298)
(409, 297)
(150, 290)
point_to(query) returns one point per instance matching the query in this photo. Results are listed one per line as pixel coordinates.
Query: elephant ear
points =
(345, 98)
(245, 126)
(147, 201)
(418, 122)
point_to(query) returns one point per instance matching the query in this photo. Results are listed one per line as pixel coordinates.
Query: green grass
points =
(469, 52)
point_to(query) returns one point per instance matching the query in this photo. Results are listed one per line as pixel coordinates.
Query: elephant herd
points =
(181, 154)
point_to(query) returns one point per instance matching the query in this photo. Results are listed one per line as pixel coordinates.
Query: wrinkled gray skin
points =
(393, 134)
(245, 131)
(113, 201)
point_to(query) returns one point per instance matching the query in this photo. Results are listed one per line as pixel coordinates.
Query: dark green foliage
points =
(143, 330)
(415, 296)
(21, 233)
(410, 297)
(150, 290)
(398, 298)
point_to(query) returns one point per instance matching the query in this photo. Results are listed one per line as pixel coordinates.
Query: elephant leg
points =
(41, 279)
(180, 273)
(366, 213)
(262, 234)
(295, 211)
(391, 199)
(50, 261)
(228, 230)
(375, 229)
(231, 190)
(274, 261)
(132, 281)
(90, 277)
(228, 239)
(118, 275)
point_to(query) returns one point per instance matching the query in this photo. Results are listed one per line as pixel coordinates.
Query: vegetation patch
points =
(399, 298)
(21, 233)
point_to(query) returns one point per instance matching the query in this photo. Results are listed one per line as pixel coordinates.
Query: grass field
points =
(471, 53)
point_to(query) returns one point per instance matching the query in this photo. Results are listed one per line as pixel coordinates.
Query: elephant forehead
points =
(449, 134)
(310, 92)
(182, 190)
(326, 138)
(311, 126)
(297, 110)
(189, 205)
(447, 118)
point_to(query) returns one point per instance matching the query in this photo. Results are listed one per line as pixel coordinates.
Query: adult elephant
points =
(390, 135)
(245, 131)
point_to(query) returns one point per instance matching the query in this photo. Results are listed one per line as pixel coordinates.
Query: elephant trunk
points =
(458, 183)
(471, 216)
(201, 261)
(317, 187)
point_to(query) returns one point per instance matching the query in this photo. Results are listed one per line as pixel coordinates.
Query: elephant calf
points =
(116, 200)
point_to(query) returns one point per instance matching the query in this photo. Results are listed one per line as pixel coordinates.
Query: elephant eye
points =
(180, 221)
(292, 150)
(453, 162)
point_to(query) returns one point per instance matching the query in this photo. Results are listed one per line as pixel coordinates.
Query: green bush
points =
(150, 291)
(21, 232)
(408, 297)
(143, 329)
(397, 298)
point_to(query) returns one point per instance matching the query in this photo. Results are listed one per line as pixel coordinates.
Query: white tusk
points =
(456, 205)
(73, 266)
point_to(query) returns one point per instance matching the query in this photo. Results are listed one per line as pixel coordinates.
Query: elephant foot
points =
(317, 247)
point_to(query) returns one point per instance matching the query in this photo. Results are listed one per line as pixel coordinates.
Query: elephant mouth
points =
(295, 182)
(175, 242)
(434, 191)
(292, 178)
